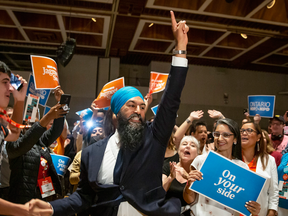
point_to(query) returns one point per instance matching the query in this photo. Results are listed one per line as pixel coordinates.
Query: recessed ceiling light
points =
(271, 4)
(151, 25)
(244, 36)
(93, 19)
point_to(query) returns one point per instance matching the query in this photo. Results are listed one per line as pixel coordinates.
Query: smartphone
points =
(15, 82)
(245, 110)
(65, 99)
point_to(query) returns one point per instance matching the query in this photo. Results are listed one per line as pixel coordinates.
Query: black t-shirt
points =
(174, 158)
(176, 188)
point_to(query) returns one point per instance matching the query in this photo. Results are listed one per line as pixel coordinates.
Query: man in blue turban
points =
(122, 174)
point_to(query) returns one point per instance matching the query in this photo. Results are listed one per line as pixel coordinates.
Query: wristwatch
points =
(188, 121)
(179, 52)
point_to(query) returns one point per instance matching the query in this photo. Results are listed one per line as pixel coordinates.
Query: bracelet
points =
(179, 52)
(188, 121)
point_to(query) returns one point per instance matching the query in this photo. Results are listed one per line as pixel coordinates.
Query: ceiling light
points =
(93, 19)
(151, 25)
(271, 4)
(244, 36)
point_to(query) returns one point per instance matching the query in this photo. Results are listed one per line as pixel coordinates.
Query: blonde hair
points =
(269, 147)
(193, 140)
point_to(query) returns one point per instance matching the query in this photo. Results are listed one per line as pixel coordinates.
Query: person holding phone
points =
(11, 133)
(30, 159)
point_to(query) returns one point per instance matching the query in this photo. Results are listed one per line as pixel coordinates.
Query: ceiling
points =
(122, 29)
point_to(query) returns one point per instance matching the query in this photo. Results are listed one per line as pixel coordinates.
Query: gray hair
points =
(193, 140)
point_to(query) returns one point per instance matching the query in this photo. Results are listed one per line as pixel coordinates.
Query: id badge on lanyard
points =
(45, 184)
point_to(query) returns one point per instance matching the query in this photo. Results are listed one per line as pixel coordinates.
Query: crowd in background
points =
(26, 154)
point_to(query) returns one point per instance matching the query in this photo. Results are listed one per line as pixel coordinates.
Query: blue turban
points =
(120, 97)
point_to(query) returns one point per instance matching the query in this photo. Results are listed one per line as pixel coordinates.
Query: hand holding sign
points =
(104, 98)
(157, 82)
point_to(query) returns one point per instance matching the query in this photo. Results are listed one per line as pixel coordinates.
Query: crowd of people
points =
(121, 164)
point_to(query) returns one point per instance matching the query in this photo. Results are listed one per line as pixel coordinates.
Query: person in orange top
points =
(254, 154)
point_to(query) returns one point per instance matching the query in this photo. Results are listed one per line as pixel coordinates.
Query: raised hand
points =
(39, 208)
(148, 99)
(215, 114)
(182, 172)
(57, 111)
(57, 93)
(196, 115)
(257, 119)
(285, 116)
(179, 30)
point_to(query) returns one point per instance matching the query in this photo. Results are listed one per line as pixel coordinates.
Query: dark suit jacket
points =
(141, 178)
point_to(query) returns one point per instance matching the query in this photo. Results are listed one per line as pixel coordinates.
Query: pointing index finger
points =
(173, 21)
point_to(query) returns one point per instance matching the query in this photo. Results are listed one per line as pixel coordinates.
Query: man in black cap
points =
(277, 136)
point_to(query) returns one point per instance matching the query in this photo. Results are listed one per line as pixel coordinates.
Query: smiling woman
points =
(228, 143)
(174, 175)
(259, 161)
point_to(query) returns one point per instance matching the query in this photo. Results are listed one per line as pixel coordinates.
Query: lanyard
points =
(15, 124)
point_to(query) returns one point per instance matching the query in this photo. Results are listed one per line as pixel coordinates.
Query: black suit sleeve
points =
(82, 198)
(167, 111)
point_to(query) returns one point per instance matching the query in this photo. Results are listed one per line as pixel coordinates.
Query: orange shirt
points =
(252, 165)
(59, 148)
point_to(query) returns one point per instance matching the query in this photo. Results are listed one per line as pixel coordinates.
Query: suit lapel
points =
(96, 157)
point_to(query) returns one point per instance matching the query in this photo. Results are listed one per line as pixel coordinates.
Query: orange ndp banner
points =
(157, 82)
(45, 72)
(104, 98)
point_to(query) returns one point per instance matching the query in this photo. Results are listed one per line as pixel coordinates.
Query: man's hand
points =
(94, 108)
(21, 94)
(39, 208)
(57, 93)
(179, 30)
(215, 114)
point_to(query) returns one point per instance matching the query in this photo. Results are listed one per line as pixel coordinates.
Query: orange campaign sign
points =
(157, 82)
(104, 98)
(45, 72)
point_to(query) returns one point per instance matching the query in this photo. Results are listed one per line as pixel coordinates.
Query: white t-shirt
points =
(206, 206)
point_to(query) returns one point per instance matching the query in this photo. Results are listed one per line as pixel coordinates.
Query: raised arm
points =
(31, 137)
(17, 116)
(180, 132)
(170, 101)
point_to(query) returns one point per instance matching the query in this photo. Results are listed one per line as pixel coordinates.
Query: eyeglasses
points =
(248, 131)
(225, 135)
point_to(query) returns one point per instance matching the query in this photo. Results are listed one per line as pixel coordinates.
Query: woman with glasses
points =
(259, 161)
(227, 141)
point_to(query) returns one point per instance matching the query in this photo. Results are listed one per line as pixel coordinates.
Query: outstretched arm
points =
(179, 134)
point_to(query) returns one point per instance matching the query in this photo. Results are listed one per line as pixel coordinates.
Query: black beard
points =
(96, 138)
(131, 134)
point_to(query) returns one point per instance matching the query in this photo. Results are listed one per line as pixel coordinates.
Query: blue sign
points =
(227, 183)
(87, 113)
(43, 94)
(46, 110)
(154, 109)
(60, 163)
(262, 105)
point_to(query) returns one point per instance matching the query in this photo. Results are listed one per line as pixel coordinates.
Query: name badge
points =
(46, 187)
